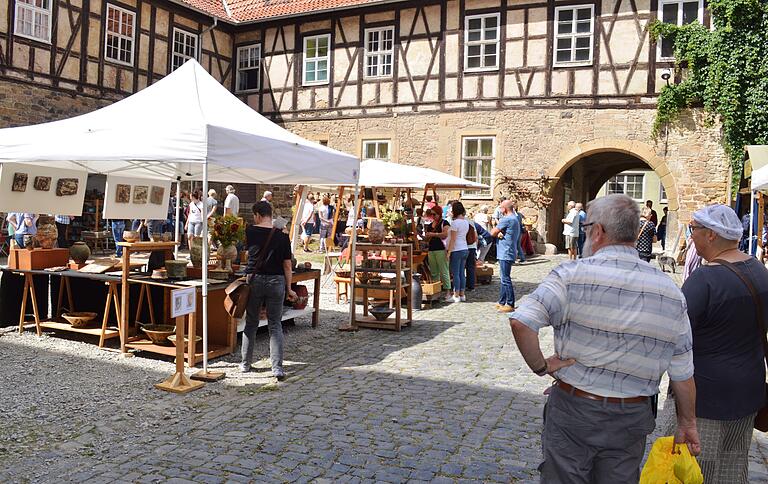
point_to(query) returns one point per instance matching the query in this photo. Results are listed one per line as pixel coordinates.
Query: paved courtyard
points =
(448, 400)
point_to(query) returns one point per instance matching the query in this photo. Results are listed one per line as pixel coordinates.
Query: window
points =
(118, 42)
(316, 59)
(662, 194)
(481, 42)
(479, 155)
(376, 150)
(678, 12)
(184, 48)
(379, 52)
(33, 19)
(573, 42)
(627, 184)
(248, 63)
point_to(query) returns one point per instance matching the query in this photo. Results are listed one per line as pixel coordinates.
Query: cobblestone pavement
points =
(448, 400)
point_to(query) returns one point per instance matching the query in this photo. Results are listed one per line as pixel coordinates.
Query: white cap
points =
(720, 219)
(267, 194)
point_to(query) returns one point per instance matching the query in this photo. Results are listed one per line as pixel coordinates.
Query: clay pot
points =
(47, 233)
(376, 232)
(226, 255)
(176, 269)
(80, 252)
(196, 252)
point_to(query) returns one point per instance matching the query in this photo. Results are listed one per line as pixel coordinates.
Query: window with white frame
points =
(317, 57)
(376, 149)
(477, 161)
(575, 35)
(481, 42)
(678, 12)
(248, 63)
(662, 194)
(118, 41)
(184, 47)
(630, 184)
(379, 51)
(33, 19)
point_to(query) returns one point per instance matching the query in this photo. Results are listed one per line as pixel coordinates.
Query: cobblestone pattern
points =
(448, 400)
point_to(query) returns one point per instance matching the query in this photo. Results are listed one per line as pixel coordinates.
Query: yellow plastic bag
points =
(665, 467)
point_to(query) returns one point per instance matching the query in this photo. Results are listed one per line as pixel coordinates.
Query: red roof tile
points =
(254, 10)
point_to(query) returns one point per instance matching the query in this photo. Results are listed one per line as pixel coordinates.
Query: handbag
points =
(761, 419)
(238, 291)
(471, 234)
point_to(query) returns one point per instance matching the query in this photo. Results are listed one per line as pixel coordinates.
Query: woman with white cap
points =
(728, 339)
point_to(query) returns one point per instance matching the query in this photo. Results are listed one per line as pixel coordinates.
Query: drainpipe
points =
(205, 31)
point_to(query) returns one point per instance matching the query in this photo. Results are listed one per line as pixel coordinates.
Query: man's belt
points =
(591, 396)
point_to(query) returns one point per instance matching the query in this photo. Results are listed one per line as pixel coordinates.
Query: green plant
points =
(724, 71)
(227, 230)
(393, 221)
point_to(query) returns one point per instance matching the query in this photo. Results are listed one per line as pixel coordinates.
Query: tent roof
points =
(758, 160)
(378, 173)
(172, 128)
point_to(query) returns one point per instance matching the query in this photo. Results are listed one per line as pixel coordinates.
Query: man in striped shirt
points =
(619, 324)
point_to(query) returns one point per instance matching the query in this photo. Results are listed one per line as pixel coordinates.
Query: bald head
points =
(507, 206)
(579, 206)
(571, 204)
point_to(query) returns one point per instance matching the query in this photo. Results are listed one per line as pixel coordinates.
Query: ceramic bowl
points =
(172, 339)
(381, 313)
(131, 236)
(158, 333)
(79, 320)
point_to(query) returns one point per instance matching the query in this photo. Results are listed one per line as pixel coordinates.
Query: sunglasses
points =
(695, 227)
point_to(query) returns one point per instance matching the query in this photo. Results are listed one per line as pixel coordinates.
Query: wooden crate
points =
(431, 288)
(29, 259)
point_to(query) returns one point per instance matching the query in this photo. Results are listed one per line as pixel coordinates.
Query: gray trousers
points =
(587, 441)
(270, 291)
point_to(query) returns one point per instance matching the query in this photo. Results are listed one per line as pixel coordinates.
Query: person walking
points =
(602, 405)
(653, 216)
(194, 225)
(118, 227)
(661, 232)
(326, 222)
(506, 232)
(213, 204)
(728, 339)
(582, 234)
(571, 230)
(308, 222)
(232, 202)
(435, 231)
(268, 274)
(458, 251)
(645, 235)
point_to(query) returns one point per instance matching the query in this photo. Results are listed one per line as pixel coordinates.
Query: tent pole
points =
(751, 219)
(301, 197)
(352, 263)
(178, 217)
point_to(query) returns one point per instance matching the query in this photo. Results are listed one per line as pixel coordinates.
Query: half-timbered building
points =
(484, 89)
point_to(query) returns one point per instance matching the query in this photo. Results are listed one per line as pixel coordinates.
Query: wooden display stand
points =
(34, 259)
(178, 382)
(403, 254)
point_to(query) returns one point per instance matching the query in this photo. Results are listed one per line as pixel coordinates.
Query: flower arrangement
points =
(227, 230)
(393, 221)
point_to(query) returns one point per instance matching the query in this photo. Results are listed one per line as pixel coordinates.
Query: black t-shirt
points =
(728, 359)
(436, 243)
(279, 250)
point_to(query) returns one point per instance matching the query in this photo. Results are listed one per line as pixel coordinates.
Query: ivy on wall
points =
(724, 70)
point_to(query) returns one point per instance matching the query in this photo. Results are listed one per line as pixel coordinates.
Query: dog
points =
(667, 261)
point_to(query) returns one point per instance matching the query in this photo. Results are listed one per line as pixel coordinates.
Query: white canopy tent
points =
(757, 164)
(378, 173)
(186, 125)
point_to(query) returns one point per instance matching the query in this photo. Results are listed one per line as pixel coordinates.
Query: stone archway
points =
(624, 154)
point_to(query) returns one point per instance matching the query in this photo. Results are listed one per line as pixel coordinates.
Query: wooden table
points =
(311, 275)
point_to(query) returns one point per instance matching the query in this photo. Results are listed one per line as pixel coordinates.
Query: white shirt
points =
(232, 203)
(322, 210)
(482, 220)
(195, 213)
(459, 229)
(572, 229)
(309, 210)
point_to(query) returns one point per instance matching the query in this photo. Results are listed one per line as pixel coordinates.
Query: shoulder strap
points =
(640, 232)
(263, 251)
(755, 299)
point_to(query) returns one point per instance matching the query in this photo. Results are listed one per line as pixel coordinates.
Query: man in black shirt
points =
(269, 277)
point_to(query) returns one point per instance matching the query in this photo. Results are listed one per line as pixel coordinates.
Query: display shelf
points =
(111, 331)
(214, 350)
(390, 270)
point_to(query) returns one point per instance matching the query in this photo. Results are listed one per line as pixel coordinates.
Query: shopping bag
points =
(665, 467)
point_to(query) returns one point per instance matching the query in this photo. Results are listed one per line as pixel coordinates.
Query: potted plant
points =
(393, 221)
(227, 232)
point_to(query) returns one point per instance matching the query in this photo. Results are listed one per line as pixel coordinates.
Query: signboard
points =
(136, 198)
(41, 189)
(183, 302)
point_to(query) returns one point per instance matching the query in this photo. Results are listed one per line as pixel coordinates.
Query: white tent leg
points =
(206, 248)
(751, 220)
(178, 217)
(352, 244)
(296, 235)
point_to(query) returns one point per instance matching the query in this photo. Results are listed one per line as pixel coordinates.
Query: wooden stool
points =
(346, 281)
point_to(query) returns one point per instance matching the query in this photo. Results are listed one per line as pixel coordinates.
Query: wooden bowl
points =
(131, 236)
(172, 339)
(159, 333)
(79, 320)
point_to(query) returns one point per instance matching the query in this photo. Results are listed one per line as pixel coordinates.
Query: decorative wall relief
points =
(42, 183)
(156, 196)
(19, 182)
(140, 193)
(66, 187)
(123, 194)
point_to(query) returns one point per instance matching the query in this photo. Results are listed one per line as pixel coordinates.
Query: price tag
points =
(183, 302)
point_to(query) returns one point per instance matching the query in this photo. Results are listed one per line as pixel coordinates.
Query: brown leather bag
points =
(761, 419)
(236, 300)
(471, 234)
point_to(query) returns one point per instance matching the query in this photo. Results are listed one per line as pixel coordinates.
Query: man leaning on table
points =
(619, 324)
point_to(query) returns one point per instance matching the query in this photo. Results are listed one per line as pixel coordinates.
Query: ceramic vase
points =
(196, 252)
(226, 255)
(47, 233)
(80, 252)
(376, 232)
(416, 292)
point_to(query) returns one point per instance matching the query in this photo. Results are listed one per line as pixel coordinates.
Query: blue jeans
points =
(471, 261)
(269, 291)
(506, 289)
(117, 233)
(519, 247)
(19, 238)
(457, 266)
(580, 243)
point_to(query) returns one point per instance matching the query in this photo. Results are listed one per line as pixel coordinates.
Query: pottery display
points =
(416, 291)
(140, 194)
(47, 233)
(42, 183)
(158, 333)
(226, 255)
(80, 252)
(176, 269)
(196, 252)
(218, 274)
(79, 320)
(376, 232)
(131, 236)
(381, 313)
(156, 195)
(66, 186)
(19, 182)
(123, 193)
(303, 296)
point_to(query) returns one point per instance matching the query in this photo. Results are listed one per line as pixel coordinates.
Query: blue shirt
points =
(506, 247)
(21, 227)
(582, 221)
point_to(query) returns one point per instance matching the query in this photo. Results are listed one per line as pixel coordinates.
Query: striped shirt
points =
(63, 219)
(622, 320)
